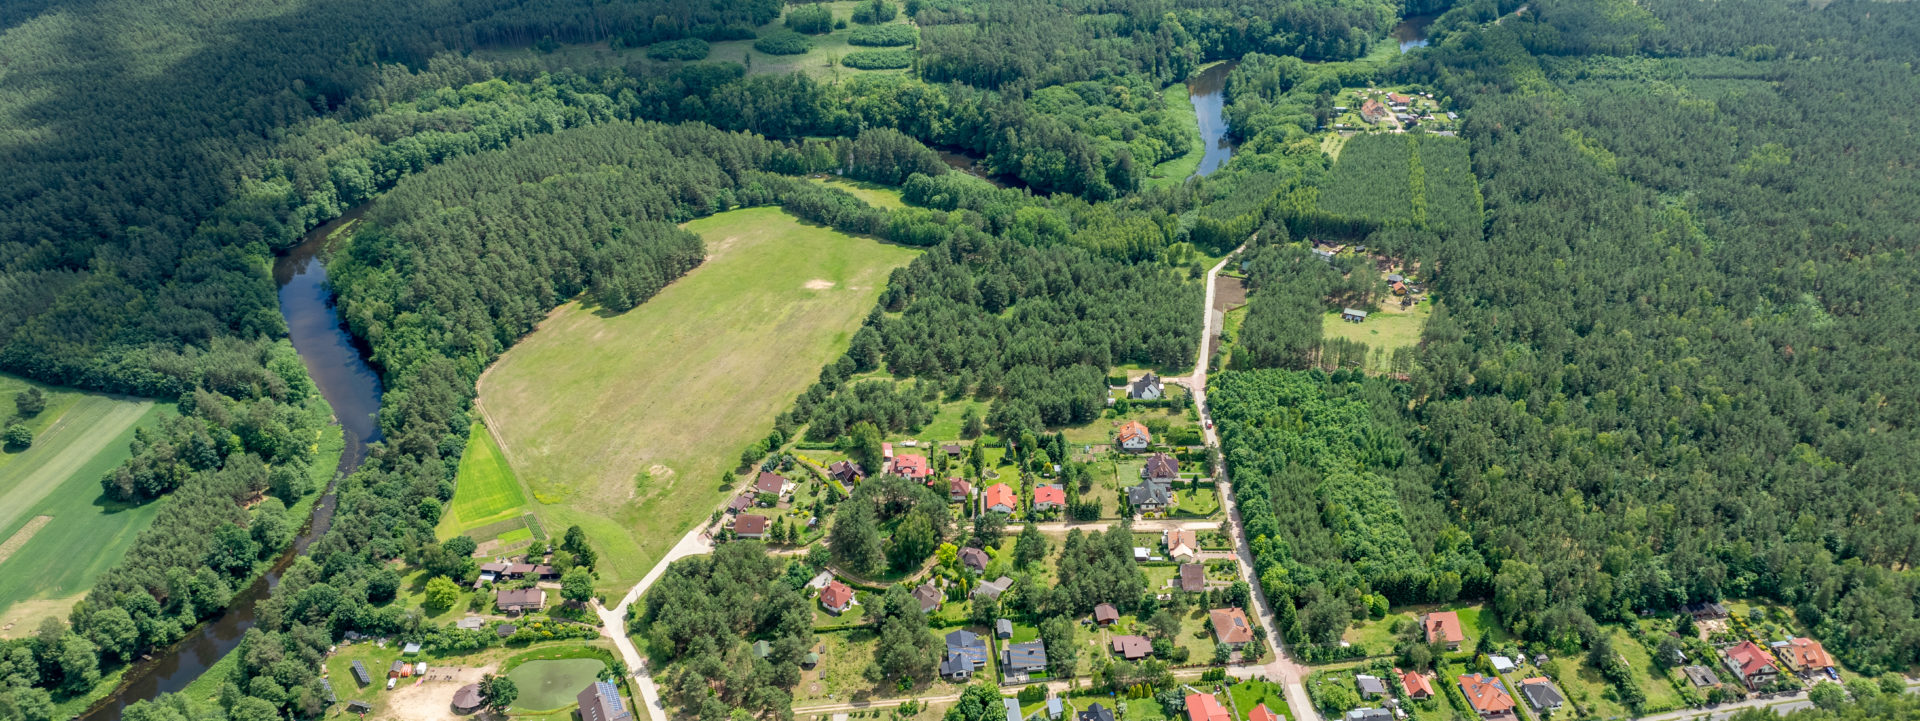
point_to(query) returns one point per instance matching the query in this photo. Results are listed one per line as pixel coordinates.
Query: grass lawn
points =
(885, 197)
(1023, 633)
(1588, 690)
(51, 504)
(485, 492)
(945, 427)
(1384, 331)
(1379, 633)
(631, 439)
(552, 685)
(841, 673)
(1201, 502)
(1659, 690)
(1248, 694)
(1177, 170)
(1101, 430)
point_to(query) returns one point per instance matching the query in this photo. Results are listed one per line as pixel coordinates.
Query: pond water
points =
(1412, 31)
(353, 389)
(1207, 92)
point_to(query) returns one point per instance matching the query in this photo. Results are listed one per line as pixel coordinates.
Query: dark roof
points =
(399, 667)
(1095, 712)
(1701, 676)
(1193, 577)
(993, 589)
(496, 567)
(504, 630)
(1144, 382)
(964, 647)
(750, 524)
(845, 470)
(1161, 465)
(520, 597)
(1029, 656)
(359, 706)
(1541, 694)
(741, 503)
(770, 482)
(1705, 610)
(974, 558)
(360, 674)
(1132, 647)
(1370, 684)
(1105, 613)
(1149, 493)
(600, 701)
(468, 697)
(1003, 627)
(928, 596)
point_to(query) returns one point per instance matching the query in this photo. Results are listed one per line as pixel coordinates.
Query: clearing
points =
(552, 685)
(1177, 170)
(1389, 329)
(625, 423)
(488, 503)
(884, 197)
(50, 501)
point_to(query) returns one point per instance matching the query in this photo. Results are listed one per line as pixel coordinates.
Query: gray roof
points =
(1542, 695)
(1149, 493)
(965, 647)
(1003, 627)
(1370, 685)
(993, 589)
(1029, 656)
(1369, 714)
(974, 558)
(1013, 709)
(360, 674)
(1354, 312)
(1701, 676)
(600, 701)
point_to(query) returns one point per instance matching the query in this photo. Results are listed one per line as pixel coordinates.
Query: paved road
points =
(613, 621)
(1147, 525)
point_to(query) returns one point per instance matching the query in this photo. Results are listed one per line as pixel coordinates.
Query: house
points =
(1351, 315)
(1260, 712)
(519, 600)
(973, 558)
(1751, 664)
(1146, 388)
(1369, 714)
(1370, 686)
(1805, 656)
(1701, 676)
(750, 525)
(1003, 628)
(493, 571)
(954, 451)
(1204, 707)
(966, 653)
(1181, 543)
(837, 597)
(1541, 694)
(1705, 610)
(1230, 626)
(1193, 577)
(846, 471)
(770, 482)
(1049, 496)
(1105, 614)
(740, 503)
(1399, 288)
(1150, 496)
(1487, 697)
(1132, 648)
(1133, 437)
(1395, 278)
(1443, 627)
(1054, 708)
(911, 465)
(1161, 467)
(1023, 658)
(1373, 111)
(600, 701)
(1416, 685)
(993, 589)
(1502, 664)
(958, 489)
(467, 699)
(505, 630)
(360, 674)
(886, 455)
(1094, 712)
(930, 598)
(1398, 99)
(1013, 709)
(1000, 498)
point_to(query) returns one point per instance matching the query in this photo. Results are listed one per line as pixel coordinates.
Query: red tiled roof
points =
(1485, 695)
(911, 465)
(999, 494)
(1204, 707)
(1443, 627)
(1049, 494)
(958, 487)
(1177, 537)
(1807, 653)
(1750, 657)
(1131, 430)
(750, 524)
(1415, 683)
(836, 595)
(1262, 713)
(1230, 624)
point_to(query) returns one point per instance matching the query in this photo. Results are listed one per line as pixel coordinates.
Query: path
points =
(1780, 706)
(1154, 524)
(613, 621)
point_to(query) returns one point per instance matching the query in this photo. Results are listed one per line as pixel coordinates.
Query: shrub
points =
(682, 49)
(783, 42)
(888, 36)
(874, 12)
(812, 19)
(878, 59)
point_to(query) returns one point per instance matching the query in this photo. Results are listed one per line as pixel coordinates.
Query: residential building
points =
(930, 598)
(600, 701)
(954, 451)
(1000, 498)
(740, 503)
(1260, 712)
(1752, 665)
(837, 597)
(1049, 496)
(1541, 694)
(1023, 658)
(959, 490)
(966, 654)
(1700, 676)
(911, 465)
(1373, 111)
(1182, 543)
(973, 558)
(1369, 714)
(1370, 686)
(750, 525)
(1095, 712)
(1146, 388)
(1054, 708)
(1133, 437)
(1013, 709)
(1132, 648)
(1193, 577)
(993, 589)
(1105, 614)
(1150, 496)
(1161, 467)
(1230, 626)
(846, 471)
(1416, 685)
(519, 600)
(1444, 627)
(1487, 696)
(1705, 610)
(1204, 707)
(1353, 315)
(1805, 656)
(770, 482)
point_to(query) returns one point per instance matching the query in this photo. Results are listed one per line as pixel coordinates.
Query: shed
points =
(1003, 628)
(410, 649)
(467, 699)
(360, 707)
(1351, 315)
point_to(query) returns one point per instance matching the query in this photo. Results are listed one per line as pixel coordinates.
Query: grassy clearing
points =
(486, 493)
(1383, 332)
(1177, 170)
(552, 685)
(631, 439)
(78, 438)
(874, 194)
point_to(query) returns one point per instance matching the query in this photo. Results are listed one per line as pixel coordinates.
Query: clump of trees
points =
(700, 614)
(812, 19)
(681, 49)
(783, 42)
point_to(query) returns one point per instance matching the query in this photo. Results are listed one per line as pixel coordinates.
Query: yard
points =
(841, 674)
(551, 685)
(1248, 694)
(1197, 502)
(1383, 331)
(630, 440)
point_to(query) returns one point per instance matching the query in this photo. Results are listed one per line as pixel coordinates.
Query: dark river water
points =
(1412, 31)
(353, 389)
(1207, 91)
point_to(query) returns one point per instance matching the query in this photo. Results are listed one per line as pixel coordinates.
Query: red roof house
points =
(1049, 497)
(1204, 707)
(1416, 684)
(1262, 713)
(836, 597)
(749, 525)
(1000, 498)
(911, 465)
(1805, 655)
(1486, 696)
(770, 482)
(1230, 626)
(1444, 627)
(1133, 436)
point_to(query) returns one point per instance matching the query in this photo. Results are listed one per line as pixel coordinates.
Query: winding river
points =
(1207, 92)
(353, 389)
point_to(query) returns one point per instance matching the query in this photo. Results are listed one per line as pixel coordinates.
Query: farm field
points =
(488, 503)
(51, 506)
(1383, 332)
(624, 423)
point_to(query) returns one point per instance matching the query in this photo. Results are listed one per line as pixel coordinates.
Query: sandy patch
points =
(430, 698)
(23, 618)
(819, 284)
(23, 535)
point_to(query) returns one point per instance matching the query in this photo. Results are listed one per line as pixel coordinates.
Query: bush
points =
(889, 36)
(783, 42)
(874, 12)
(18, 437)
(812, 19)
(878, 59)
(682, 49)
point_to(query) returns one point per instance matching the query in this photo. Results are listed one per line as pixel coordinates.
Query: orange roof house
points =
(911, 465)
(1444, 627)
(1486, 696)
(837, 597)
(1230, 626)
(1133, 436)
(1416, 684)
(1204, 707)
(1049, 496)
(1752, 664)
(1000, 498)
(1805, 655)
(1262, 713)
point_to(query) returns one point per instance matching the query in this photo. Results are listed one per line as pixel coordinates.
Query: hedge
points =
(682, 49)
(878, 59)
(783, 42)
(890, 36)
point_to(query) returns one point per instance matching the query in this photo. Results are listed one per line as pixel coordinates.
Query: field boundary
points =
(22, 536)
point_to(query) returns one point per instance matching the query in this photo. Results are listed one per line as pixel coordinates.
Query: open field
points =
(1177, 170)
(487, 496)
(552, 685)
(1383, 332)
(624, 423)
(874, 194)
(50, 502)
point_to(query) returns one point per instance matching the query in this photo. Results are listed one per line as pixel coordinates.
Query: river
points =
(353, 389)
(1207, 92)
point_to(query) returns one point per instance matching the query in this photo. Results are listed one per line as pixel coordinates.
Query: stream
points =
(1207, 91)
(353, 389)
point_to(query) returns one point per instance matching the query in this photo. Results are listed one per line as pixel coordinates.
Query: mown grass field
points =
(624, 423)
(1383, 332)
(486, 494)
(57, 534)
